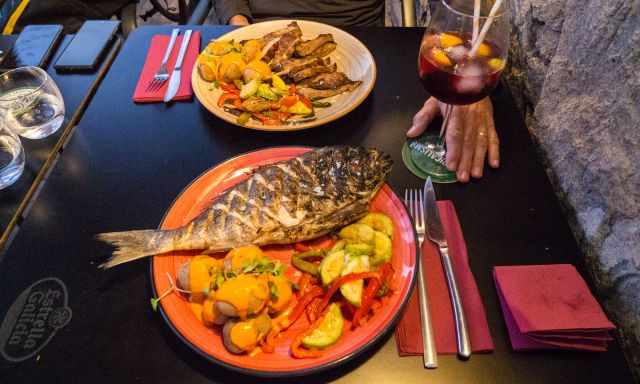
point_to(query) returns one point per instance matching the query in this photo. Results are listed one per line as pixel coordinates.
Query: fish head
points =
(364, 170)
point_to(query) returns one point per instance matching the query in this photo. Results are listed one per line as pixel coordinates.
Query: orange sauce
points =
(246, 293)
(245, 335)
(201, 269)
(197, 310)
(283, 292)
(242, 256)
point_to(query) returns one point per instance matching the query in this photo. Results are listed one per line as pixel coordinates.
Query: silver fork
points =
(162, 75)
(414, 200)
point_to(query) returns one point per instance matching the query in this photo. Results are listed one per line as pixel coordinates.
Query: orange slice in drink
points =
(447, 40)
(441, 57)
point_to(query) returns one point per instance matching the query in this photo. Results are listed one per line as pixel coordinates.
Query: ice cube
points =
(457, 53)
(471, 77)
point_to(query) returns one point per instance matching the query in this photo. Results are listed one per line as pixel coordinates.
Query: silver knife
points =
(436, 234)
(174, 81)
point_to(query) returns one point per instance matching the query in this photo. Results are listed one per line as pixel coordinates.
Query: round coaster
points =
(420, 164)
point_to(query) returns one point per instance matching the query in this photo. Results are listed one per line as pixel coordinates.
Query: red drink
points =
(450, 75)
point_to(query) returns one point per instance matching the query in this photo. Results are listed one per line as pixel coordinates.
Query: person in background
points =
(341, 13)
(471, 137)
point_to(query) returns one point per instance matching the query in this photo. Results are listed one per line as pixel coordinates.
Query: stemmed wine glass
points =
(462, 54)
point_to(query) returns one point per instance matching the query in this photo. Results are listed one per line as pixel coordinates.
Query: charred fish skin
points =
(286, 202)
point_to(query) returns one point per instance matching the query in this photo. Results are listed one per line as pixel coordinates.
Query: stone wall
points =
(575, 72)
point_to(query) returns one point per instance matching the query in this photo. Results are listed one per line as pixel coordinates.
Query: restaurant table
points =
(76, 89)
(125, 163)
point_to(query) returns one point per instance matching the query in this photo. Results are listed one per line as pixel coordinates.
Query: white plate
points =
(351, 56)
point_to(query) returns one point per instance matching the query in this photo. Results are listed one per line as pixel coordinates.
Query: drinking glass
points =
(460, 61)
(30, 102)
(11, 157)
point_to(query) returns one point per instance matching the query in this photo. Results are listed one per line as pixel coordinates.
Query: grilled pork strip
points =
(312, 71)
(306, 48)
(316, 94)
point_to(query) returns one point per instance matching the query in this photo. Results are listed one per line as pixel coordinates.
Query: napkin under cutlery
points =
(408, 334)
(152, 63)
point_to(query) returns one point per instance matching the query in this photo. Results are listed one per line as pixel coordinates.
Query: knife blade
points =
(435, 232)
(174, 81)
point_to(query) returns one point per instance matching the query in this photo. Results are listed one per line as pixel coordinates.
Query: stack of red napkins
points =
(550, 307)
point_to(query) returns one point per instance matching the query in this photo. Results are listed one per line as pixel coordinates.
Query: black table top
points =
(40, 154)
(125, 163)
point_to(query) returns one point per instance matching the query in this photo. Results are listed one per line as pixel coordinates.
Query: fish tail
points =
(133, 245)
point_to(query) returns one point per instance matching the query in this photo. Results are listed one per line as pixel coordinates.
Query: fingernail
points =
(452, 165)
(463, 176)
(410, 131)
(495, 163)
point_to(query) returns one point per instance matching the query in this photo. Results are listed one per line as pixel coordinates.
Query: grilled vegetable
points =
(329, 330)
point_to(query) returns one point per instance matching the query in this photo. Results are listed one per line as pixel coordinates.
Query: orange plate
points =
(208, 342)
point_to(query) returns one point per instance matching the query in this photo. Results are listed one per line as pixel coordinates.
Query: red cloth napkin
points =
(408, 332)
(158, 45)
(550, 307)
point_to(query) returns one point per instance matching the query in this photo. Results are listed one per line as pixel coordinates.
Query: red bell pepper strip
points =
(368, 296)
(343, 280)
(227, 97)
(386, 277)
(306, 101)
(288, 101)
(324, 242)
(304, 301)
(229, 88)
(303, 284)
(292, 89)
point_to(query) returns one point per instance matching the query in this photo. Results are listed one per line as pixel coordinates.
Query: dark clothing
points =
(70, 13)
(335, 12)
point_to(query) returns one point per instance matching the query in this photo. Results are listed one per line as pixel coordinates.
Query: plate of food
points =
(281, 262)
(283, 75)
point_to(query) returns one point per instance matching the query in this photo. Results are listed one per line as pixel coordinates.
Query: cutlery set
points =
(162, 74)
(422, 207)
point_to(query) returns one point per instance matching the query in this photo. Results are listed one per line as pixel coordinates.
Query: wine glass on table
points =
(462, 54)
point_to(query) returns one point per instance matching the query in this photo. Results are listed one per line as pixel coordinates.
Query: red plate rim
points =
(382, 329)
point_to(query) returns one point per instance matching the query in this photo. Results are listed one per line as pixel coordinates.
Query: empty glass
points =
(30, 102)
(11, 157)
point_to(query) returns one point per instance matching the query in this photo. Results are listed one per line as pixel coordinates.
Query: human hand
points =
(238, 20)
(470, 135)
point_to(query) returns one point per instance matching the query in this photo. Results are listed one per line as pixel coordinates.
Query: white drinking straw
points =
(476, 20)
(485, 28)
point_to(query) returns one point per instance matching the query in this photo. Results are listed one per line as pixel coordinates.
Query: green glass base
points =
(417, 160)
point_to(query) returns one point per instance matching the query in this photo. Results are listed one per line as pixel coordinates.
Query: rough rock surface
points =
(576, 75)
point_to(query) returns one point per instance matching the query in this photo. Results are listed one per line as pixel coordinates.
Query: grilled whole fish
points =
(286, 202)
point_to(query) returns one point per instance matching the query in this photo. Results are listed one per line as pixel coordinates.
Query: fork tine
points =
(406, 198)
(422, 208)
(413, 206)
(417, 205)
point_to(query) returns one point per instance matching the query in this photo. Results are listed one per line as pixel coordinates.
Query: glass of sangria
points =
(462, 54)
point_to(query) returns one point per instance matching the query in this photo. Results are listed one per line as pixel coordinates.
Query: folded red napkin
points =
(550, 307)
(156, 51)
(408, 332)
